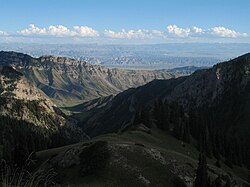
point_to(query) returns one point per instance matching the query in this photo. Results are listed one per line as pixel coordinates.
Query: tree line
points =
(201, 127)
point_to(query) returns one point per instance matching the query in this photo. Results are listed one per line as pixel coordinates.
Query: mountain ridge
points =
(64, 79)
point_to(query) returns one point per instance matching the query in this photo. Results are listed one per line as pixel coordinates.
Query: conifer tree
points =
(201, 173)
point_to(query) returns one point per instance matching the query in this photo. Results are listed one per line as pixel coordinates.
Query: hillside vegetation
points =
(138, 157)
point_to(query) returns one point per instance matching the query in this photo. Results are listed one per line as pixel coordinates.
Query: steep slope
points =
(69, 81)
(29, 121)
(211, 106)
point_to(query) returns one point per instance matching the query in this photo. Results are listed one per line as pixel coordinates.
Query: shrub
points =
(94, 158)
(178, 182)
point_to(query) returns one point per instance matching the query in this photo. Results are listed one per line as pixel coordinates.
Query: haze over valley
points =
(150, 56)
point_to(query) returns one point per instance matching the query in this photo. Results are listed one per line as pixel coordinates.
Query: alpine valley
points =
(79, 124)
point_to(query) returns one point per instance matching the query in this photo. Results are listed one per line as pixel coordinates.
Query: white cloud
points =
(32, 30)
(3, 33)
(85, 31)
(225, 32)
(133, 34)
(180, 32)
(156, 33)
(125, 34)
(59, 30)
(197, 30)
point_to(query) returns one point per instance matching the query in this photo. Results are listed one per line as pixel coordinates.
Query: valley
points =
(146, 124)
(124, 93)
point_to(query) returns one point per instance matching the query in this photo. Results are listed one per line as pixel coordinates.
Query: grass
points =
(157, 139)
(12, 176)
(118, 175)
(114, 175)
(157, 173)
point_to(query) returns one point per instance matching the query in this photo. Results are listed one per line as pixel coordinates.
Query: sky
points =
(124, 21)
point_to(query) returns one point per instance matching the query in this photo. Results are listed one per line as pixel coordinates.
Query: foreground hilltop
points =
(138, 157)
(69, 81)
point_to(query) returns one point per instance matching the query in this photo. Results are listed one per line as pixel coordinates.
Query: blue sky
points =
(132, 21)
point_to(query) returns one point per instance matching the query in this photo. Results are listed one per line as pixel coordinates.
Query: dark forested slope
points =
(209, 108)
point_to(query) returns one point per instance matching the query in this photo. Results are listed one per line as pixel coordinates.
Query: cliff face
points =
(68, 80)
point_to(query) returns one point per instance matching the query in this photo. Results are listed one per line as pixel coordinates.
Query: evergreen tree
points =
(228, 183)
(201, 179)
(218, 182)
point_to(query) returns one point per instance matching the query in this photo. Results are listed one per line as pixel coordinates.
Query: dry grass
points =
(13, 176)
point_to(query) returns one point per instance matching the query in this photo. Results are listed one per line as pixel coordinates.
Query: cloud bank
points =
(59, 30)
(134, 34)
(172, 33)
(196, 31)
(224, 32)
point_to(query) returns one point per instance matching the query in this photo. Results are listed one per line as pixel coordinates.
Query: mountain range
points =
(125, 120)
(70, 81)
